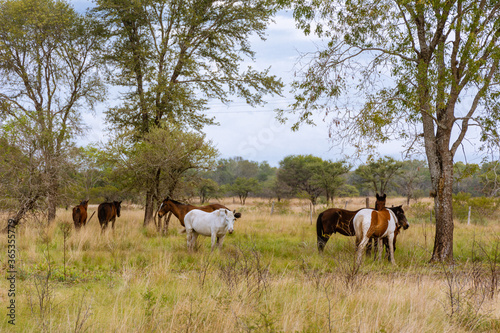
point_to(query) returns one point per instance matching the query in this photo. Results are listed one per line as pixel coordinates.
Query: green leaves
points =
(176, 55)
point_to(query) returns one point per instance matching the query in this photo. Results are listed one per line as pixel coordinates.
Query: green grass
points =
(267, 277)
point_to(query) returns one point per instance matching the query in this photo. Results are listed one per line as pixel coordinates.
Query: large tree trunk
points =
(440, 160)
(443, 241)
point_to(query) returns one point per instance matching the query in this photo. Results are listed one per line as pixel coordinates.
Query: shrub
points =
(482, 208)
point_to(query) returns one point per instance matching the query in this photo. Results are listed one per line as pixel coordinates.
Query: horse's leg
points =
(214, 240)
(380, 244)
(189, 238)
(113, 223)
(220, 240)
(194, 238)
(361, 249)
(391, 249)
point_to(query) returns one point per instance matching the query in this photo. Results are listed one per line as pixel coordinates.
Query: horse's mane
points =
(175, 201)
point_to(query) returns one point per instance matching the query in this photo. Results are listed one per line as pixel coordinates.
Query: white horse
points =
(372, 223)
(215, 224)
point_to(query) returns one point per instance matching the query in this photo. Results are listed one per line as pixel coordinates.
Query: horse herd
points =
(216, 220)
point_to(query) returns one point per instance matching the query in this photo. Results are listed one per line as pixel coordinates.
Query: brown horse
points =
(180, 209)
(107, 212)
(80, 214)
(331, 221)
(380, 203)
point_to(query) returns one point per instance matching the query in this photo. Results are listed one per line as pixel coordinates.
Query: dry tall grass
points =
(267, 277)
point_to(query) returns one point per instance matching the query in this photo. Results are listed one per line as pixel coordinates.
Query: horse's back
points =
(199, 221)
(381, 225)
(362, 220)
(76, 214)
(376, 223)
(338, 220)
(105, 211)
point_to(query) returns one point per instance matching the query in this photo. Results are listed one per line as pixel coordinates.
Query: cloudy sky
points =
(254, 133)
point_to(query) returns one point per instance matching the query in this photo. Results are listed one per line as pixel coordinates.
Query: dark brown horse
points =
(180, 209)
(80, 214)
(107, 212)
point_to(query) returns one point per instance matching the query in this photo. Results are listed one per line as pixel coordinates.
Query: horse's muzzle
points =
(230, 231)
(406, 226)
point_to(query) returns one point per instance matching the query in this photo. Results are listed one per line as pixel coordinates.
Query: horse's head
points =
(400, 215)
(164, 207)
(118, 206)
(84, 203)
(229, 219)
(380, 203)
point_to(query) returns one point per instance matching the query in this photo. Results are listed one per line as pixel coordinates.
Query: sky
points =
(253, 132)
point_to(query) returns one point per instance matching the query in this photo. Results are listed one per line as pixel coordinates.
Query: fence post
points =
(468, 217)
(311, 214)
(272, 208)
(367, 202)
(345, 207)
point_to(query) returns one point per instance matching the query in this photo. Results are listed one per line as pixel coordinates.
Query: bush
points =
(419, 211)
(482, 208)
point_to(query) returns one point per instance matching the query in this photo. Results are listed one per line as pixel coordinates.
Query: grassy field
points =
(268, 277)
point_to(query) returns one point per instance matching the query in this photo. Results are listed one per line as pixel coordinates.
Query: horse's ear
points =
(237, 215)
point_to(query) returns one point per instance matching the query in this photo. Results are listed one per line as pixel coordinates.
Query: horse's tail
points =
(101, 213)
(320, 233)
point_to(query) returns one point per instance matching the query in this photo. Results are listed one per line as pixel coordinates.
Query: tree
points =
(379, 173)
(244, 186)
(170, 149)
(490, 178)
(207, 188)
(462, 174)
(48, 68)
(328, 175)
(420, 71)
(300, 174)
(411, 177)
(174, 56)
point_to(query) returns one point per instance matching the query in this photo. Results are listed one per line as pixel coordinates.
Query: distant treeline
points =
(94, 175)
(317, 179)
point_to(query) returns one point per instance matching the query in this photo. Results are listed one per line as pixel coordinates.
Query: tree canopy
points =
(48, 73)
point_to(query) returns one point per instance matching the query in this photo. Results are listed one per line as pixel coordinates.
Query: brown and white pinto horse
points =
(107, 212)
(381, 224)
(180, 209)
(80, 214)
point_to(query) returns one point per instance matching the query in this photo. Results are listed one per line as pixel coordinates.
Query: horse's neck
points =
(176, 210)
